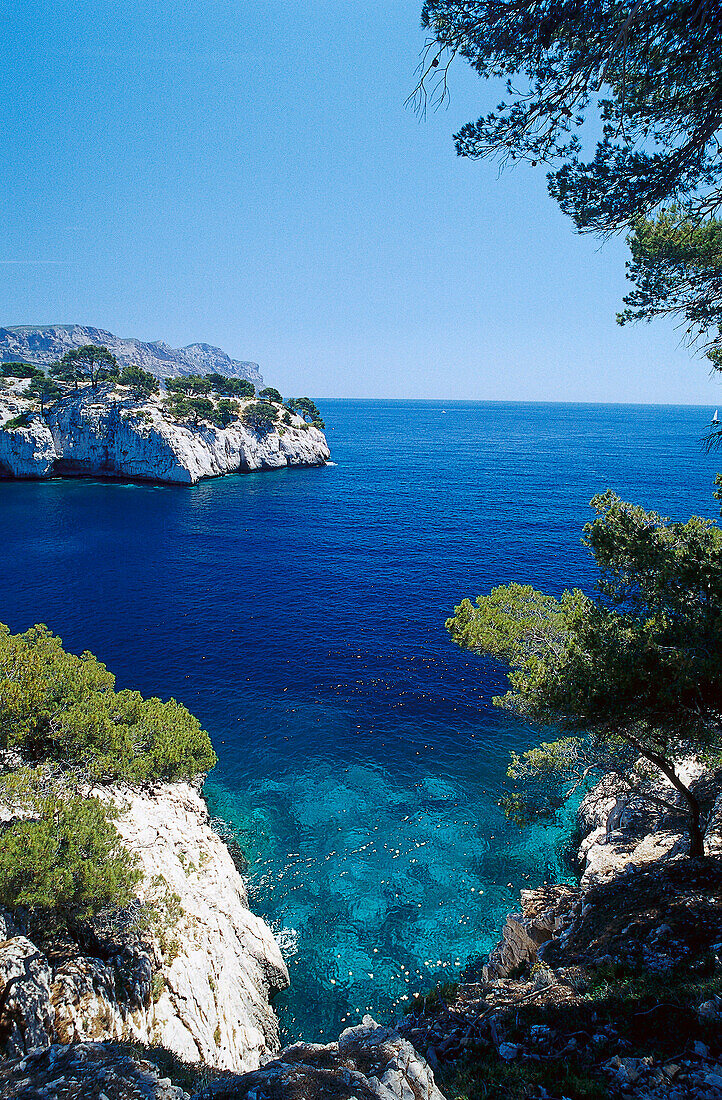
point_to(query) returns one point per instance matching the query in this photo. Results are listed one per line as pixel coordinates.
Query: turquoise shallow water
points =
(301, 615)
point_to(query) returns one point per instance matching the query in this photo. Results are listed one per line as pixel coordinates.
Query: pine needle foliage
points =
(636, 667)
(55, 706)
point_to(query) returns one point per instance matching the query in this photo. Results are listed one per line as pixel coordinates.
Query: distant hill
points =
(45, 344)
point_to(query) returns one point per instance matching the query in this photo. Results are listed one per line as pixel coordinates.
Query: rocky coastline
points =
(547, 1010)
(108, 433)
(190, 968)
(609, 987)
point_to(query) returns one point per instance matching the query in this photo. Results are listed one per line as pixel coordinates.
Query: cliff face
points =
(45, 344)
(192, 972)
(109, 434)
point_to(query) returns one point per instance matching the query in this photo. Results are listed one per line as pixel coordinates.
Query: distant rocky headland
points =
(142, 413)
(43, 345)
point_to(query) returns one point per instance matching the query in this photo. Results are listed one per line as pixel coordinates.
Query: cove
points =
(300, 614)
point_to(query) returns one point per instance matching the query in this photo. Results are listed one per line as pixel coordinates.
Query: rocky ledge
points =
(608, 988)
(367, 1063)
(108, 433)
(190, 968)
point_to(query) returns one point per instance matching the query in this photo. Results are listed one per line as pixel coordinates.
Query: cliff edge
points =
(109, 433)
(190, 968)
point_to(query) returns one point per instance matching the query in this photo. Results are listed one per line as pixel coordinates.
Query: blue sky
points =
(248, 175)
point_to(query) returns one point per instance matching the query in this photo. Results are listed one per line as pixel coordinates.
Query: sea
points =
(300, 615)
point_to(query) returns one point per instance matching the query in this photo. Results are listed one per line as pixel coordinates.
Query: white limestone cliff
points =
(110, 434)
(198, 979)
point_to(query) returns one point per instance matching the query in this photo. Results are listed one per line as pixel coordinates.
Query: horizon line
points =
(525, 401)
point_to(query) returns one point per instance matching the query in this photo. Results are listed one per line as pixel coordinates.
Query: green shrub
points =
(270, 393)
(485, 1075)
(56, 706)
(193, 408)
(177, 407)
(65, 858)
(231, 387)
(307, 409)
(259, 416)
(141, 382)
(45, 391)
(189, 384)
(20, 421)
(225, 412)
(20, 370)
(434, 999)
(157, 987)
(89, 363)
(201, 408)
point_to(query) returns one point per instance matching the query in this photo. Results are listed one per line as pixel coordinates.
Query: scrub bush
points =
(259, 416)
(55, 706)
(62, 856)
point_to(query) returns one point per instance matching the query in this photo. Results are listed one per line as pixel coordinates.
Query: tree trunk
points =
(696, 836)
(694, 828)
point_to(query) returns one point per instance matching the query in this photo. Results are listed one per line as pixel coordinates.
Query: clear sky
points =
(247, 175)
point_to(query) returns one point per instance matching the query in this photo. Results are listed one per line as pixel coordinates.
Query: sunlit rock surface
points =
(42, 345)
(110, 434)
(367, 1063)
(193, 972)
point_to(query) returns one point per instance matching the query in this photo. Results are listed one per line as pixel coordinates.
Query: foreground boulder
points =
(367, 1063)
(85, 1071)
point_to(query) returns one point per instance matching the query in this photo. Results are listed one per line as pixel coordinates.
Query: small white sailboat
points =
(715, 418)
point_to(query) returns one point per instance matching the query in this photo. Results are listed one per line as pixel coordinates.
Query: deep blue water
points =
(300, 614)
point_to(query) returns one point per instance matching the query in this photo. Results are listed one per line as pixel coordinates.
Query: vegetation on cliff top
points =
(260, 416)
(61, 853)
(193, 398)
(88, 363)
(307, 409)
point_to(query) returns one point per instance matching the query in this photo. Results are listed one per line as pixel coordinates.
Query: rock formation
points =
(367, 1063)
(192, 971)
(108, 433)
(85, 1071)
(42, 345)
(543, 913)
(555, 992)
(623, 826)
